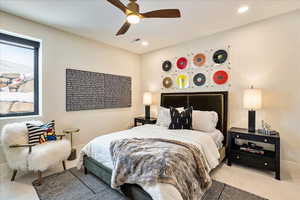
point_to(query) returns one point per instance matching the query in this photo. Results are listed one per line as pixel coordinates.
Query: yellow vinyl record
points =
(182, 81)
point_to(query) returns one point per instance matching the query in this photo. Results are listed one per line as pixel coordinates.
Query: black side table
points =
(270, 160)
(143, 120)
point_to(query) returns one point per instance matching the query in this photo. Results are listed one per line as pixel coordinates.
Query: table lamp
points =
(252, 101)
(147, 101)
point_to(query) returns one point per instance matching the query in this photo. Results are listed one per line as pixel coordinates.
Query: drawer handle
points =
(266, 164)
(265, 140)
(237, 136)
(237, 157)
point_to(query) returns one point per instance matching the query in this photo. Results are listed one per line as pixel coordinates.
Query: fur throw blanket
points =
(151, 161)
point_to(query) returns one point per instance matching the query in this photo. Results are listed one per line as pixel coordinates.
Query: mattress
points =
(208, 143)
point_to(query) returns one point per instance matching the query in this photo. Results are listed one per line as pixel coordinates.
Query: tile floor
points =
(254, 181)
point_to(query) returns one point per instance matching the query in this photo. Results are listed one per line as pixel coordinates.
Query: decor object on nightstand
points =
(252, 101)
(24, 156)
(147, 101)
(73, 151)
(244, 148)
(144, 120)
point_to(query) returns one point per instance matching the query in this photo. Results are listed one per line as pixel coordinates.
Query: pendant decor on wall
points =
(92, 90)
(182, 63)
(167, 82)
(199, 79)
(220, 77)
(199, 69)
(182, 81)
(199, 60)
(220, 56)
(167, 66)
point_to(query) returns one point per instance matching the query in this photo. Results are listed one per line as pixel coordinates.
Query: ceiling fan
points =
(133, 15)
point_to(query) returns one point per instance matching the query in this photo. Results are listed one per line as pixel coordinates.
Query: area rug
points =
(75, 185)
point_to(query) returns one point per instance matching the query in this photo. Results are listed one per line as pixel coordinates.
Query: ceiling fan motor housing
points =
(134, 7)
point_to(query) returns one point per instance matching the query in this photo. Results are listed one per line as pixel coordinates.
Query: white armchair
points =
(25, 157)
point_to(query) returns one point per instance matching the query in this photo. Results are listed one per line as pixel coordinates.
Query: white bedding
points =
(208, 143)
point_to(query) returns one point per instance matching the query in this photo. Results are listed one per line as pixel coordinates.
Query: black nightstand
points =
(270, 160)
(143, 120)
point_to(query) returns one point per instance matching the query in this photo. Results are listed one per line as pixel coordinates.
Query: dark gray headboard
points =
(205, 101)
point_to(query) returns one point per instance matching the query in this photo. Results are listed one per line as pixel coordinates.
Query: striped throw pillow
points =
(38, 134)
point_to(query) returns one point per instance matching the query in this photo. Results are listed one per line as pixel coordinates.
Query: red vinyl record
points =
(220, 77)
(182, 63)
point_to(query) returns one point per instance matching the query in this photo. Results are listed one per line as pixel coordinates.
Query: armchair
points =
(27, 157)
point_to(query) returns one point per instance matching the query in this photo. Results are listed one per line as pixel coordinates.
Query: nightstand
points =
(143, 120)
(269, 160)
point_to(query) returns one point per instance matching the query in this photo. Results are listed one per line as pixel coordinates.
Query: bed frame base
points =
(133, 192)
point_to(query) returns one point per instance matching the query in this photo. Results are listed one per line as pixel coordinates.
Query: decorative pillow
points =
(181, 120)
(39, 134)
(205, 121)
(164, 117)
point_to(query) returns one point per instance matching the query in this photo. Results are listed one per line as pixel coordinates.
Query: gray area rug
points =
(75, 185)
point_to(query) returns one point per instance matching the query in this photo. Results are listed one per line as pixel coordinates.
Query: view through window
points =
(18, 76)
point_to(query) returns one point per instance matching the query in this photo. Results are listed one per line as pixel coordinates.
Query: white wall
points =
(264, 54)
(61, 50)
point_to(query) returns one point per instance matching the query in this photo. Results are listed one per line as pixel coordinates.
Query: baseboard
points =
(5, 171)
(288, 162)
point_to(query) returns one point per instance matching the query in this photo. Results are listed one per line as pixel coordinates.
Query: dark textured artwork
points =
(92, 90)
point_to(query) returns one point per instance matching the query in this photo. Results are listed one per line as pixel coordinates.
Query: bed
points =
(96, 159)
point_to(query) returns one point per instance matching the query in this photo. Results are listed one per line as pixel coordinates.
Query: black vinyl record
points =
(199, 79)
(220, 56)
(166, 66)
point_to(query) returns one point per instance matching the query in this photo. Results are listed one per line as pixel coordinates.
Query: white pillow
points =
(164, 116)
(205, 121)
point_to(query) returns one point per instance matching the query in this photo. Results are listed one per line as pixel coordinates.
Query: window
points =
(19, 92)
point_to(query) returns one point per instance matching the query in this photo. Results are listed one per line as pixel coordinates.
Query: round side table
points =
(73, 150)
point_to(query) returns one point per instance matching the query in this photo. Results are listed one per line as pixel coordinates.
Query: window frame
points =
(26, 43)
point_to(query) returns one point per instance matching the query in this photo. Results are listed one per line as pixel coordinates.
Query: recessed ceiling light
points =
(243, 9)
(145, 43)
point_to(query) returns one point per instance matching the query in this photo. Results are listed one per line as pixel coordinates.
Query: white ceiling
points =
(99, 20)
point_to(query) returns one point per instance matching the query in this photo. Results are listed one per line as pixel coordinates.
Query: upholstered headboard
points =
(205, 101)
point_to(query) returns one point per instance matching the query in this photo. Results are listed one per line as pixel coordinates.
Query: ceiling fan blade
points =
(118, 4)
(167, 13)
(123, 29)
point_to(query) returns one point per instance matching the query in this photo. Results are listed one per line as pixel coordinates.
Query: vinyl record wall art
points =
(200, 68)
(220, 56)
(220, 77)
(182, 63)
(199, 60)
(167, 82)
(167, 66)
(182, 81)
(199, 79)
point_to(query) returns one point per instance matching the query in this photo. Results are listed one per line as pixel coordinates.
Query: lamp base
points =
(251, 121)
(147, 112)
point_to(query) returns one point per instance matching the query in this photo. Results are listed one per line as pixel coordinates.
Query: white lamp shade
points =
(252, 99)
(147, 98)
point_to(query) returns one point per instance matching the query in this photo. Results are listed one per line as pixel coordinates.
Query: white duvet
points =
(98, 149)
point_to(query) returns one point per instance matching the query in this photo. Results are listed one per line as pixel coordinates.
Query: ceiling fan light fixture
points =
(133, 19)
